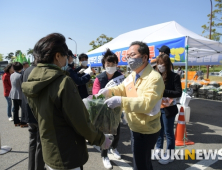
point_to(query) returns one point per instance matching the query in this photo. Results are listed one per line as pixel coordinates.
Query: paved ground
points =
(204, 129)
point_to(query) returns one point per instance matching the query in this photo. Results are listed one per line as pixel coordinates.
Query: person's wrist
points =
(121, 98)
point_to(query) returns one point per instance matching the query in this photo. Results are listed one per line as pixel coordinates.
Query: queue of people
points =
(50, 94)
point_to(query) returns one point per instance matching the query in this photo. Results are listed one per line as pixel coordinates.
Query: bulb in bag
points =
(102, 117)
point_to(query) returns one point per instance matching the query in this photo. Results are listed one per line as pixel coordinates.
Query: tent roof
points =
(161, 32)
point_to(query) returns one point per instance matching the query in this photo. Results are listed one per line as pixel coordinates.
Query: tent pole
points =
(186, 67)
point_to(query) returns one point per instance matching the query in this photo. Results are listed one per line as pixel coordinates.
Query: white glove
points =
(88, 71)
(106, 144)
(114, 102)
(82, 70)
(103, 91)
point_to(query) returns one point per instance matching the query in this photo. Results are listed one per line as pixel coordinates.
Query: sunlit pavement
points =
(204, 129)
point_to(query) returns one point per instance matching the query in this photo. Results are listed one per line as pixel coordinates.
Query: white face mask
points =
(161, 68)
(110, 70)
(84, 63)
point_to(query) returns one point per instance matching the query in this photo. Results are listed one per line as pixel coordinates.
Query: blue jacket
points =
(83, 92)
(78, 80)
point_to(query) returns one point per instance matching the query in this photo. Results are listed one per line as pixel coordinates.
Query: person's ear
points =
(146, 57)
(57, 56)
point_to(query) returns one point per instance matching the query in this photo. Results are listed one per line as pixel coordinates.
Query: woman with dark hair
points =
(7, 88)
(110, 62)
(16, 93)
(53, 97)
(169, 109)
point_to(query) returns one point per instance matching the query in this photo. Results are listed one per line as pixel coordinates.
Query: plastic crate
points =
(211, 97)
(219, 98)
(195, 94)
(202, 96)
(215, 85)
(194, 87)
(211, 92)
(202, 91)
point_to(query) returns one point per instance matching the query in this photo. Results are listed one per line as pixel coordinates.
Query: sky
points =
(24, 22)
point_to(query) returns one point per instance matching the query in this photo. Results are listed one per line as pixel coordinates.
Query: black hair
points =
(17, 66)
(7, 68)
(110, 57)
(70, 53)
(24, 63)
(82, 56)
(143, 49)
(47, 47)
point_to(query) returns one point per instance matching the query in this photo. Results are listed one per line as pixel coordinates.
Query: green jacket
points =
(63, 120)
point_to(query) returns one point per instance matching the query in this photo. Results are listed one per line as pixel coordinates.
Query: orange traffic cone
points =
(181, 134)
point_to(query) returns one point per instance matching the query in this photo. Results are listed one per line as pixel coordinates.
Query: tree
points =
(1, 57)
(30, 52)
(10, 56)
(18, 52)
(101, 40)
(216, 22)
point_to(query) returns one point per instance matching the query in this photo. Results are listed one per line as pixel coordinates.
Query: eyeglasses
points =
(110, 65)
(132, 55)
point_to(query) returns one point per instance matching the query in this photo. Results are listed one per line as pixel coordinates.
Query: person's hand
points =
(114, 102)
(94, 71)
(88, 71)
(103, 91)
(91, 73)
(82, 71)
(106, 144)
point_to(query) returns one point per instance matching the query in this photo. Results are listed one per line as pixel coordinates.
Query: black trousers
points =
(114, 143)
(142, 144)
(17, 103)
(35, 149)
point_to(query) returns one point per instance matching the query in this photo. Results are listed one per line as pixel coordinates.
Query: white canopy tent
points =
(164, 34)
(198, 46)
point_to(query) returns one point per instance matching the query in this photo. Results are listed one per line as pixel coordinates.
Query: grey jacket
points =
(16, 91)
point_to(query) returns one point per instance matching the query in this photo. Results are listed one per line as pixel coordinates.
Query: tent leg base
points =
(5, 149)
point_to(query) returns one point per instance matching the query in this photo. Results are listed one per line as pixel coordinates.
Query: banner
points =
(209, 60)
(176, 47)
(177, 56)
(115, 82)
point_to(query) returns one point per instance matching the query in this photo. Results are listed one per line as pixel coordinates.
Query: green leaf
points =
(101, 97)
